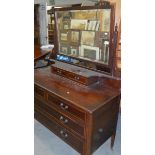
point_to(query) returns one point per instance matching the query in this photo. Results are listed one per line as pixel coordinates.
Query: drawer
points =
(39, 92)
(63, 105)
(77, 78)
(59, 71)
(69, 75)
(59, 117)
(61, 132)
(74, 75)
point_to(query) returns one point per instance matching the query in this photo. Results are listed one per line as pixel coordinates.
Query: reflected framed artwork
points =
(87, 38)
(64, 49)
(75, 37)
(89, 52)
(79, 24)
(66, 25)
(74, 51)
(64, 37)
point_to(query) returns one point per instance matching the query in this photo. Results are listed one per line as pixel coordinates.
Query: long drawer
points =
(61, 132)
(61, 118)
(74, 76)
(39, 92)
(65, 106)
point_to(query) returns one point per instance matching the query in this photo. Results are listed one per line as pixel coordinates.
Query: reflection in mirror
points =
(84, 34)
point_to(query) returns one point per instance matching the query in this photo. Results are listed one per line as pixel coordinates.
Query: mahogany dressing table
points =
(77, 98)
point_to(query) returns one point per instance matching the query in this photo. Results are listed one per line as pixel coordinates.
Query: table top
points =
(88, 98)
(38, 53)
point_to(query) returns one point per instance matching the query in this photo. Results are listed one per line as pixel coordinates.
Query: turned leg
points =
(113, 140)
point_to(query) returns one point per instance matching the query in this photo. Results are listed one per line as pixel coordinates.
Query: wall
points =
(71, 2)
(42, 21)
(117, 11)
(118, 6)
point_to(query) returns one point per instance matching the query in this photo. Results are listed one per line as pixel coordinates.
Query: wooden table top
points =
(88, 98)
(38, 53)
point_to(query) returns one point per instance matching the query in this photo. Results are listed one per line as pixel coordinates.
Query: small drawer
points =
(59, 117)
(39, 92)
(59, 71)
(77, 78)
(63, 105)
(65, 135)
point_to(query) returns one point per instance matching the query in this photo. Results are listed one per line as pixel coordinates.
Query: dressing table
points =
(77, 97)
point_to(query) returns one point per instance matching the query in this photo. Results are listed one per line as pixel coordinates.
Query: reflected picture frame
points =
(64, 36)
(84, 49)
(79, 24)
(64, 49)
(74, 50)
(75, 37)
(87, 38)
(66, 25)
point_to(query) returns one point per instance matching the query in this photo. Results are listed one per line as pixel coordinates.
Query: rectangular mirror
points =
(85, 34)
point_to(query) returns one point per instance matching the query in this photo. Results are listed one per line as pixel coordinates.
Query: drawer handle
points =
(61, 104)
(100, 130)
(63, 119)
(77, 78)
(59, 71)
(64, 107)
(65, 135)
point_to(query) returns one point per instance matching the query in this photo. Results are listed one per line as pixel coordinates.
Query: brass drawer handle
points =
(64, 107)
(59, 71)
(63, 119)
(65, 135)
(61, 104)
(100, 130)
(77, 78)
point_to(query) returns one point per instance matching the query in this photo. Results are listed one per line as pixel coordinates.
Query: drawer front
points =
(62, 105)
(39, 92)
(65, 135)
(59, 71)
(59, 117)
(69, 75)
(78, 78)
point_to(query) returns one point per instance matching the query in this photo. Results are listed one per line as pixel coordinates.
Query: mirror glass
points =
(84, 34)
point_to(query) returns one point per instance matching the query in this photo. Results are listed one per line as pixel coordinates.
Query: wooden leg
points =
(86, 154)
(113, 140)
(86, 150)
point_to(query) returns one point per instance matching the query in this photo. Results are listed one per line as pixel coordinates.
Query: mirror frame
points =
(100, 67)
